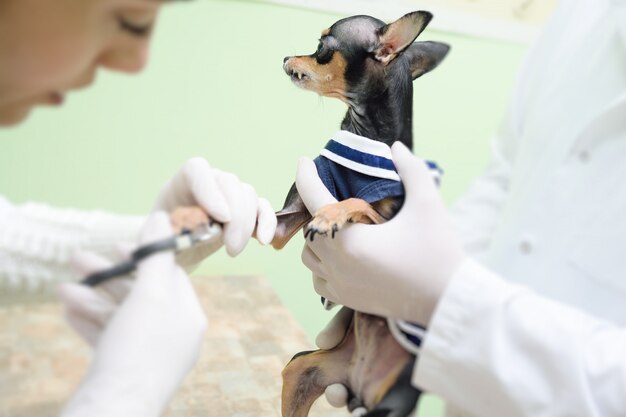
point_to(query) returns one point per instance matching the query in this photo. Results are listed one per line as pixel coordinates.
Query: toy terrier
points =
(370, 66)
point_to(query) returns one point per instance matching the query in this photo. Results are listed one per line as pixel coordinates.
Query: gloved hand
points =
(88, 310)
(398, 269)
(226, 199)
(144, 346)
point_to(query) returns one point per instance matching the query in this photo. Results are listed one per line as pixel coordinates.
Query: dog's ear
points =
(397, 36)
(425, 56)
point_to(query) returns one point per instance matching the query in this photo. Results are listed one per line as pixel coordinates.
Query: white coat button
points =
(525, 246)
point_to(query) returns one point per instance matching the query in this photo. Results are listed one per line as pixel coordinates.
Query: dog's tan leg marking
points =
(187, 218)
(377, 361)
(308, 374)
(368, 362)
(332, 217)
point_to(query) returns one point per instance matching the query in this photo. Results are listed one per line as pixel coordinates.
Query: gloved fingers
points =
(320, 283)
(359, 412)
(124, 249)
(336, 395)
(205, 189)
(85, 301)
(117, 288)
(311, 261)
(415, 175)
(84, 304)
(310, 187)
(266, 222)
(162, 264)
(325, 289)
(249, 214)
(88, 262)
(88, 330)
(156, 227)
(191, 259)
(242, 200)
(335, 330)
(348, 243)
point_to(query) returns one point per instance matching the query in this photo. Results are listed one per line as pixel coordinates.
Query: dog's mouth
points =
(296, 75)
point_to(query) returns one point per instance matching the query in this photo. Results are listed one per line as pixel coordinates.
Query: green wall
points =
(215, 88)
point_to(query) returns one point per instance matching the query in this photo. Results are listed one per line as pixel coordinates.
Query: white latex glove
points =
(149, 342)
(397, 269)
(226, 200)
(88, 310)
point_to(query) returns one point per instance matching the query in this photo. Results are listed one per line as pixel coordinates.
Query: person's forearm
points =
(495, 349)
(37, 241)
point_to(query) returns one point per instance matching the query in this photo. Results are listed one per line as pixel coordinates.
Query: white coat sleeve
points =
(37, 242)
(498, 349)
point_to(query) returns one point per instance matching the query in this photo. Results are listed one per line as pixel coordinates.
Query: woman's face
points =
(49, 47)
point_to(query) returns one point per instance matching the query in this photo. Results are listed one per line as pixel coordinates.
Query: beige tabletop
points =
(251, 337)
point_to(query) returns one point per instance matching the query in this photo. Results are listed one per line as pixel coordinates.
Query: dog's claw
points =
(311, 232)
(335, 230)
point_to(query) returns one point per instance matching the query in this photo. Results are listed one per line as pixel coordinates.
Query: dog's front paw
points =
(333, 217)
(322, 224)
(187, 218)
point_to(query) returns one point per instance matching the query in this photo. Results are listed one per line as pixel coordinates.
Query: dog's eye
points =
(323, 54)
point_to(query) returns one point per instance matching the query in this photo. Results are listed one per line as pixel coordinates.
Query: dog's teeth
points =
(300, 75)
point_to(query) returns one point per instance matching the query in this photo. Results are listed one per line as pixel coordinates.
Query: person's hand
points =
(88, 310)
(397, 269)
(226, 200)
(144, 346)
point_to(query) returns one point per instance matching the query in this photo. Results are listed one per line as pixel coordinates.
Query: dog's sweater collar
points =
(367, 156)
(361, 154)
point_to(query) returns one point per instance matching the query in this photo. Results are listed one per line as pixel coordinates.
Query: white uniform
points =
(542, 331)
(37, 241)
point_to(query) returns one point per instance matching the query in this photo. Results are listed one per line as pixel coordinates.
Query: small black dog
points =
(370, 66)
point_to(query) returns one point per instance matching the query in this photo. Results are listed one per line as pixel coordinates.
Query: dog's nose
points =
(286, 59)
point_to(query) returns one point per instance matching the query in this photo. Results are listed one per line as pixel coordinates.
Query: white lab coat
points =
(535, 324)
(37, 242)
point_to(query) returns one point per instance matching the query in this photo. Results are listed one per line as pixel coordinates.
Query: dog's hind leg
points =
(307, 375)
(401, 398)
